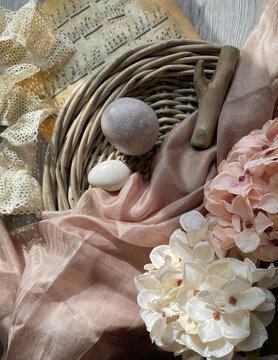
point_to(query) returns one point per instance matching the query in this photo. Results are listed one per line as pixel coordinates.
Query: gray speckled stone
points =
(130, 125)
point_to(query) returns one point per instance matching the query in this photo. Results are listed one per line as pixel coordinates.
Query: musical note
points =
(141, 27)
(158, 17)
(177, 31)
(95, 60)
(80, 11)
(61, 19)
(55, 86)
(115, 43)
(68, 11)
(91, 26)
(101, 28)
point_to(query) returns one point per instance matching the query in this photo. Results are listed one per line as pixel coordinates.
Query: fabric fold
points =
(75, 298)
(252, 98)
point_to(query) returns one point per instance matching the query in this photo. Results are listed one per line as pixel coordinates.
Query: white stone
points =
(109, 175)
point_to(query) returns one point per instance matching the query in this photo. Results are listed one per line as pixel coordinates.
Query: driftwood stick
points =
(211, 94)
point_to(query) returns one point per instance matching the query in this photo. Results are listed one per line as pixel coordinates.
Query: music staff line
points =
(75, 72)
(89, 27)
(143, 24)
(71, 10)
(110, 14)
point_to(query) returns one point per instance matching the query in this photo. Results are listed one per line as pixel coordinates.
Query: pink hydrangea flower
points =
(244, 195)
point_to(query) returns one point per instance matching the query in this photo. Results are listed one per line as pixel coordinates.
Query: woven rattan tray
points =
(161, 74)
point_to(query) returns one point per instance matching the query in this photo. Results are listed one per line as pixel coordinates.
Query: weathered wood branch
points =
(211, 95)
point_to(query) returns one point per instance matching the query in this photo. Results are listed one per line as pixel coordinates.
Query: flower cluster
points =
(244, 195)
(199, 304)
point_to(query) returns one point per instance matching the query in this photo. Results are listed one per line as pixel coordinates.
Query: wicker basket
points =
(161, 74)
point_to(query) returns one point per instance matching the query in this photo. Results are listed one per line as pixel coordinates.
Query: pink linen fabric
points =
(252, 99)
(75, 295)
(67, 287)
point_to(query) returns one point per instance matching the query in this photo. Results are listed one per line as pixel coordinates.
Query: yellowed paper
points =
(102, 30)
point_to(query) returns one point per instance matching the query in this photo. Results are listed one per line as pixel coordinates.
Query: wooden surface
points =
(221, 21)
(227, 22)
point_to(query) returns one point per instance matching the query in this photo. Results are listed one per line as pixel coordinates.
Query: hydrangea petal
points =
(247, 241)
(198, 310)
(150, 319)
(269, 303)
(236, 325)
(145, 281)
(194, 343)
(186, 322)
(215, 205)
(269, 203)
(251, 298)
(271, 129)
(271, 160)
(196, 235)
(204, 251)
(178, 235)
(266, 317)
(236, 286)
(259, 274)
(229, 181)
(168, 337)
(219, 348)
(221, 268)
(219, 297)
(240, 268)
(269, 282)
(204, 306)
(226, 239)
(273, 184)
(241, 207)
(255, 166)
(146, 296)
(273, 235)
(193, 274)
(262, 222)
(206, 297)
(158, 255)
(212, 282)
(191, 220)
(225, 236)
(209, 331)
(182, 340)
(158, 328)
(166, 272)
(216, 246)
(179, 247)
(258, 335)
(225, 221)
(236, 222)
(184, 295)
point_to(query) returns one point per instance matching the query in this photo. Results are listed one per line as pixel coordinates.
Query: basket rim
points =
(75, 104)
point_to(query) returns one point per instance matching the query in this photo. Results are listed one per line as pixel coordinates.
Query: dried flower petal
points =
(203, 306)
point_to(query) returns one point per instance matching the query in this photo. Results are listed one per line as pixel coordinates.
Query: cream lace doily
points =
(28, 43)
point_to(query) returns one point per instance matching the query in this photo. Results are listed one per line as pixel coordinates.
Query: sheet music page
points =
(102, 30)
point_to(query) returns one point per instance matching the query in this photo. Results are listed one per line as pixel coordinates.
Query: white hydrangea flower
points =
(196, 303)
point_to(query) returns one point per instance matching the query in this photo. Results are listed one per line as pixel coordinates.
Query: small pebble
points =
(130, 125)
(109, 175)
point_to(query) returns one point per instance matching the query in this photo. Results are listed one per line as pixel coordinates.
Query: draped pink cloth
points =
(67, 287)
